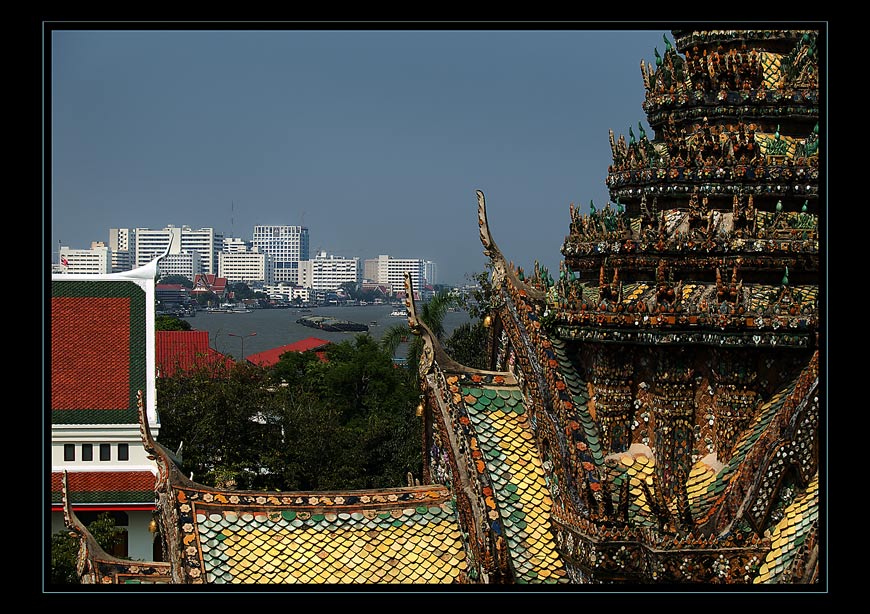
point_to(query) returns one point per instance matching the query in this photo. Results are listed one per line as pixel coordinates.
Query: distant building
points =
(94, 261)
(246, 266)
(285, 291)
(288, 245)
(235, 244)
(171, 295)
(187, 264)
(122, 243)
(153, 243)
(209, 283)
(391, 271)
(430, 272)
(329, 272)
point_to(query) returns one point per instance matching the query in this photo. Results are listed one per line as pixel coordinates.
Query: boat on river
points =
(331, 324)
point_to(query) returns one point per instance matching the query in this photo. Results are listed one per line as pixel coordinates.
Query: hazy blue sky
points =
(375, 139)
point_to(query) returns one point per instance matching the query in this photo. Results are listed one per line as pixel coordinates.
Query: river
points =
(278, 327)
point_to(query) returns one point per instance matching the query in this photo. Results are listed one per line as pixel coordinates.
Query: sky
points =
(375, 139)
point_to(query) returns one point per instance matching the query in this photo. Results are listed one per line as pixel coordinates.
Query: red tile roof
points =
(204, 282)
(269, 358)
(90, 342)
(181, 350)
(104, 487)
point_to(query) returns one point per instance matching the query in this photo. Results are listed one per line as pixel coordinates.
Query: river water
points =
(277, 327)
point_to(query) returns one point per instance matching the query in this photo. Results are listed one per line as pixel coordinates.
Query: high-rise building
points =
(391, 272)
(329, 272)
(188, 264)
(430, 272)
(288, 245)
(153, 243)
(122, 243)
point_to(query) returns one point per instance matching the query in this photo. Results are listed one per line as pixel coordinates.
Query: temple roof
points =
(101, 488)
(502, 438)
(402, 535)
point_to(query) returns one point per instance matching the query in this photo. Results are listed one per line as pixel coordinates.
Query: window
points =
(69, 452)
(105, 452)
(123, 451)
(87, 452)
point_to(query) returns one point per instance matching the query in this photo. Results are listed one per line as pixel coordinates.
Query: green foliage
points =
(206, 298)
(241, 291)
(467, 345)
(479, 303)
(304, 424)
(65, 548)
(64, 552)
(171, 323)
(432, 314)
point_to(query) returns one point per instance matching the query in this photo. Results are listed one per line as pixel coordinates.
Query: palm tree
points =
(432, 314)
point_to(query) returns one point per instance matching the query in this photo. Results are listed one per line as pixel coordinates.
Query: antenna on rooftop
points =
(232, 209)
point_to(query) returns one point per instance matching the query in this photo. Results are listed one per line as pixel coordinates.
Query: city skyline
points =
(375, 140)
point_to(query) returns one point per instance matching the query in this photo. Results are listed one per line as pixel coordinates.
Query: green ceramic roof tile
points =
(519, 487)
(579, 399)
(789, 535)
(406, 536)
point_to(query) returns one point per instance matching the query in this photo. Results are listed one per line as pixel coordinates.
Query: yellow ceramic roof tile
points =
(519, 485)
(789, 534)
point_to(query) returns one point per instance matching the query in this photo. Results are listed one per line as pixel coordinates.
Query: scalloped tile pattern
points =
(407, 545)
(790, 534)
(519, 489)
(636, 468)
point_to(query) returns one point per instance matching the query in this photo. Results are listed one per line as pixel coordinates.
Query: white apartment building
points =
(245, 267)
(94, 261)
(122, 242)
(329, 272)
(391, 272)
(288, 246)
(153, 243)
(188, 263)
(287, 292)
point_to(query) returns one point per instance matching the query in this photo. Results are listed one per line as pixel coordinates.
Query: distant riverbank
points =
(277, 327)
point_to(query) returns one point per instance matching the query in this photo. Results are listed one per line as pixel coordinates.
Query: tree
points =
(217, 414)
(432, 314)
(351, 289)
(65, 547)
(171, 323)
(305, 424)
(240, 291)
(467, 345)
